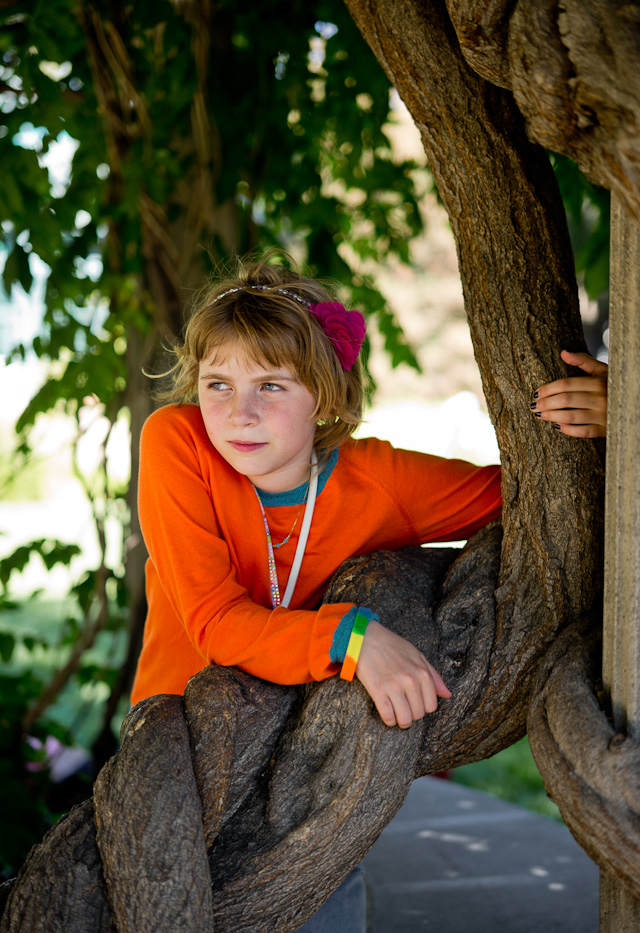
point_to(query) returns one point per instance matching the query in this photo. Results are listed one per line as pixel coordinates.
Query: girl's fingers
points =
(585, 362)
(441, 688)
(581, 430)
(397, 677)
(592, 403)
(385, 709)
(414, 701)
(576, 418)
(594, 386)
(408, 708)
(577, 405)
(394, 708)
(403, 702)
(576, 422)
(589, 365)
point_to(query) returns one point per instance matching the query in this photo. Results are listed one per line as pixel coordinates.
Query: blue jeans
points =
(345, 911)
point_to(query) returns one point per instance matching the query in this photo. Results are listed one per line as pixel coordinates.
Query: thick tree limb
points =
(574, 69)
(517, 273)
(149, 825)
(61, 885)
(303, 810)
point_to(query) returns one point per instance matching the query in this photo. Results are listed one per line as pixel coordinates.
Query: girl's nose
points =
(243, 410)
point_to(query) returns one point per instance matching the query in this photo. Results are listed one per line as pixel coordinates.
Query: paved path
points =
(458, 861)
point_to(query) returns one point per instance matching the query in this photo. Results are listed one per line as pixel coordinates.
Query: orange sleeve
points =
(465, 498)
(422, 497)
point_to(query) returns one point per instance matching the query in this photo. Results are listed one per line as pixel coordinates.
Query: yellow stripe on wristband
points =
(354, 647)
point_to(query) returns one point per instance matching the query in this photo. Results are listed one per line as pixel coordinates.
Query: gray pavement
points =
(459, 861)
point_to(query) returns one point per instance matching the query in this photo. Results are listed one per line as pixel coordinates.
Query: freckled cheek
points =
(213, 420)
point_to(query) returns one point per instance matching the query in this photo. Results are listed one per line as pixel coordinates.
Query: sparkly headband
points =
(345, 329)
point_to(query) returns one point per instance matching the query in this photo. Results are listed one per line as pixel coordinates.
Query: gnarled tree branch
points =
(573, 67)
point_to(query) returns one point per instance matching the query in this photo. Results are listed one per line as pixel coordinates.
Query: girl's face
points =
(260, 420)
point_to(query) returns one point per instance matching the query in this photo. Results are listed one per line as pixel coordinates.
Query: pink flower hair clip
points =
(345, 329)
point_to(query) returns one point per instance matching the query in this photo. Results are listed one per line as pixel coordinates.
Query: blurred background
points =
(143, 146)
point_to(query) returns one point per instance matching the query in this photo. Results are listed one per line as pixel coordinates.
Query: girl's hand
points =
(397, 677)
(578, 404)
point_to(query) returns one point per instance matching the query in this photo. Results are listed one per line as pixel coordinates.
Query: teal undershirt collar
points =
(296, 496)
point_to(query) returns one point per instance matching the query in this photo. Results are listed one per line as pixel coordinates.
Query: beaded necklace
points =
(302, 542)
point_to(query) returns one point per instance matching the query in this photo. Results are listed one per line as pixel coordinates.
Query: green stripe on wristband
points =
(355, 646)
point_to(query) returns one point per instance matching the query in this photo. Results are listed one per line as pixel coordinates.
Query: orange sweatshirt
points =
(207, 573)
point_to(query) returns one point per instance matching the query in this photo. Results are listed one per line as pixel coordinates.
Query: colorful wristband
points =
(354, 647)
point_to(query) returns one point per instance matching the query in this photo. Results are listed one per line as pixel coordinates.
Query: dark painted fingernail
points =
(533, 405)
(558, 427)
(538, 414)
(535, 394)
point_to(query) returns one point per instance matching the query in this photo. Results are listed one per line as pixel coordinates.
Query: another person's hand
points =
(398, 677)
(577, 405)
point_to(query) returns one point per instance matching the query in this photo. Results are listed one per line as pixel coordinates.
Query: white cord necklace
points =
(302, 543)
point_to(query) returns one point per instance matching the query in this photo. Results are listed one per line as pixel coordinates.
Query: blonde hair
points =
(274, 329)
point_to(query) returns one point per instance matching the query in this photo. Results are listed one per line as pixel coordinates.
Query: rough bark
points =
(149, 825)
(61, 885)
(515, 332)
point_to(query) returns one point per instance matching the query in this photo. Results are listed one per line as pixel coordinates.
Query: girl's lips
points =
(246, 446)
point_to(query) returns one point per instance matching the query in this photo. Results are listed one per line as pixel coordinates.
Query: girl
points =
(253, 492)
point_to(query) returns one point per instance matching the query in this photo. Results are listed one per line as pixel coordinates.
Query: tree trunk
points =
(519, 286)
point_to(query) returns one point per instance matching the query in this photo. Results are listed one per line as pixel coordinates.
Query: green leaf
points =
(7, 644)
(588, 216)
(50, 550)
(16, 270)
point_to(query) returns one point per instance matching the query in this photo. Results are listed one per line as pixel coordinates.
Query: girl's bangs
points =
(256, 337)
